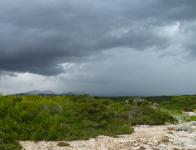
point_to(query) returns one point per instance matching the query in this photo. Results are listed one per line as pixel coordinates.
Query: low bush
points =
(176, 103)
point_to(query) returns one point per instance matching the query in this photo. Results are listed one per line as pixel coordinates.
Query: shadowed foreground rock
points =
(167, 137)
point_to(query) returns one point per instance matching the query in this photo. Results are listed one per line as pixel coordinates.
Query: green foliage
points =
(193, 118)
(7, 142)
(70, 118)
(176, 103)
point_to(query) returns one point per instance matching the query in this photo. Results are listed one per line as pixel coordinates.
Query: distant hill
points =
(36, 92)
(44, 93)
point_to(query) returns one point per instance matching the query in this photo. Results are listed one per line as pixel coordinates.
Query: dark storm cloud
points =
(37, 36)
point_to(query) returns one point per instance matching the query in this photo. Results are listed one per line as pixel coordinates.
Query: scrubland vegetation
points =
(175, 103)
(81, 117)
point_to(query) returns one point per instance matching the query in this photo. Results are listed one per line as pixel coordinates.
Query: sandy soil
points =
(167, 137)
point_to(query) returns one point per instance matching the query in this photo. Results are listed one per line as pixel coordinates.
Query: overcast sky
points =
(100, 47)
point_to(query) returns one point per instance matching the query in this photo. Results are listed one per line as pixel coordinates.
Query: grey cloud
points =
(37, 36)
(133, 73)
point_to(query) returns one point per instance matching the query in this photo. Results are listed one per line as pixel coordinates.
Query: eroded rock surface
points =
(167, 137)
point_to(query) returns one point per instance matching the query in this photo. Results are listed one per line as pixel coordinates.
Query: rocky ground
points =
(167, 137)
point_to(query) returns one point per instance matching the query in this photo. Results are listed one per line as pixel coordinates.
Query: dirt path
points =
(168, 137)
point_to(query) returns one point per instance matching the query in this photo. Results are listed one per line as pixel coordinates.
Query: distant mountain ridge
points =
(37, 92)
(43, 93)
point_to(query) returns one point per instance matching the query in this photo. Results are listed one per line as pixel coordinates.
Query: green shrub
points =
(176, 103)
